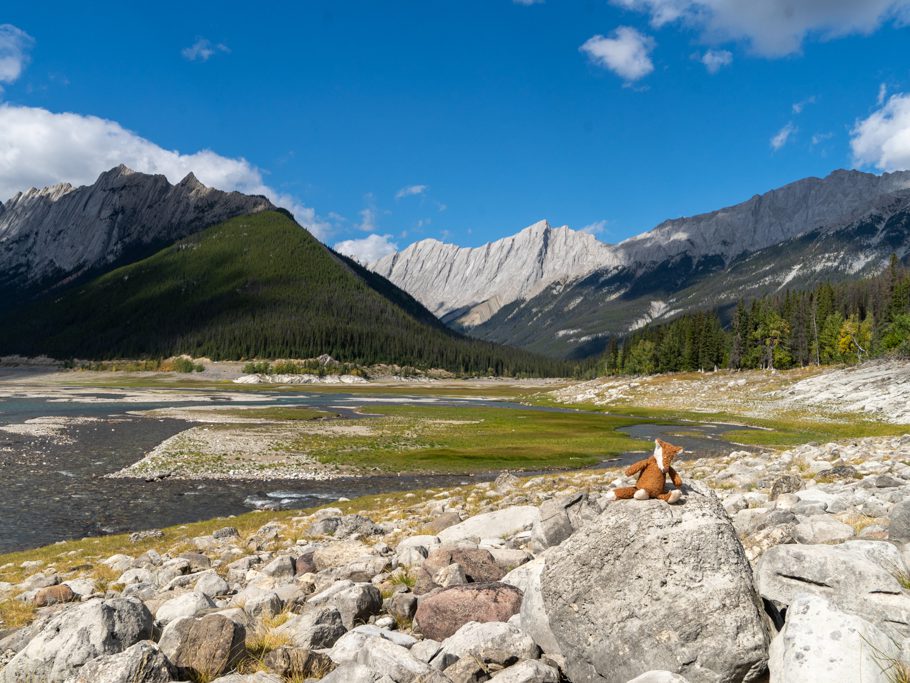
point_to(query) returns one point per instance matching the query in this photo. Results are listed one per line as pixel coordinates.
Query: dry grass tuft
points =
(16, 613)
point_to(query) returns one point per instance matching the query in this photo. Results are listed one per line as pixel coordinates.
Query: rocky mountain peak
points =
(59, 232)
(468, 285)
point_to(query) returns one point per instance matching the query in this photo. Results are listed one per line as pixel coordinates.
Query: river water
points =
(53, 488)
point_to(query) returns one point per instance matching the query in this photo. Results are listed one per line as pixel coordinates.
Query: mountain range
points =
(134, 267)
(564, 293)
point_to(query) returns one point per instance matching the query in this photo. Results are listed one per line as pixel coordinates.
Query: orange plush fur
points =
(652, 476)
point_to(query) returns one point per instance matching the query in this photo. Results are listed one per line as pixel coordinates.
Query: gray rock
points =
(425, 650)
(355, 525)
(263, 605)
(351, 673)
(659, 677)
(388, 659)
(282, 567)
(492, 642)
(347, 648)
(411, 556)
(204, 647)
(531, 671)
(630, 595)
(295, 663)
(210, 584)
(533, 615)
(139, 663)
(452, 575)
(498, 524)
(77, 635)
(899, 528)
(258, 677)
(402, 606)
(840, 472)
(356, 602)
(821, 643)
(560, 517)
(786, 483)
(844, 576)
(186, 605)
(822, 529)
(314, 630)
(225, 533)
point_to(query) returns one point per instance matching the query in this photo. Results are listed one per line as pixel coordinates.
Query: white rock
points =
(659, 677)
(77, 635)
(821, 644)
(822, 529)
(844, 576)
(210, 584)
(186, 605)
(386, 658)
(529, 671)
(493, 641)
(499, 523)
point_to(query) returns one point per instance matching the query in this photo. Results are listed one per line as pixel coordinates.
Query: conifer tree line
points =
(844, 322)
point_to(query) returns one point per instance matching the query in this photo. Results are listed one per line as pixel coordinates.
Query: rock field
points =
(791, 565)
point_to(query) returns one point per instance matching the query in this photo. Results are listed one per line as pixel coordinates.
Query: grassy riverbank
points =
(388, 438)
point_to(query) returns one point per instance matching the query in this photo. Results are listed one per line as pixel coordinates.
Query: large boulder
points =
(561, 517)
(822, 529)
(533, 614)
(654, 586)
(186, 605)
(386, 658)
(356, 602)
(78, 635)
(491, 643)
(442, 613)
(849, 576)
(821, 643)
(314, 630)
(140, 663)
(204, 647)
(528, 671)
(497, 524)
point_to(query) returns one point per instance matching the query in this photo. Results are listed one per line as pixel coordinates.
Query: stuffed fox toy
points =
(652, 476)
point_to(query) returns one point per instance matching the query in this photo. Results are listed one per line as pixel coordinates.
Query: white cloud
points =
(595, 228)
(802, 104)
(369, 249)
(626, 52)
(819, 138)
(782, 137)
(14, 47)
(528, 3)
(202, 49)
(882, 93)
(774, 28)
(367, 220)
(715, 60)
(883, 138)
(39, 148)
(410, 191)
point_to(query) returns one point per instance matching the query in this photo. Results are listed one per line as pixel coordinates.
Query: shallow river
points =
(52, 488)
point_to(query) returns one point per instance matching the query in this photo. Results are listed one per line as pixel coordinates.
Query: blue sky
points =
(463, 121)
